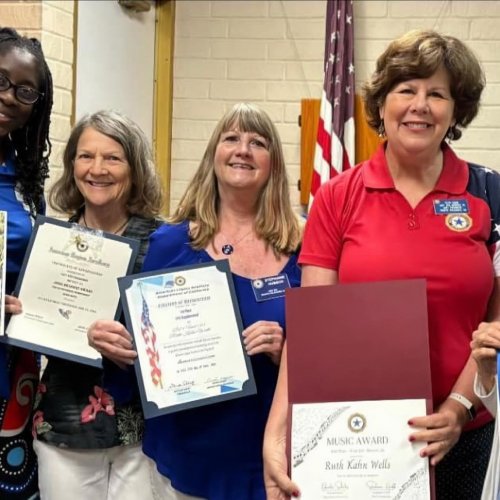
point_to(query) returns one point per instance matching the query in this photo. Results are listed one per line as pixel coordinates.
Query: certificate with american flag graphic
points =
(187, 332)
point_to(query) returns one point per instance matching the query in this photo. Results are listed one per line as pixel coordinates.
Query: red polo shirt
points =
(363, 228)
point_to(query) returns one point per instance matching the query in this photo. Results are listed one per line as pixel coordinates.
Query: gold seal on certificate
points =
(68, 280)
(187, 333)
(358, 449)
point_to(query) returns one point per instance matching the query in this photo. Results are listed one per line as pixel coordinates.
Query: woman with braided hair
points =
(25, 104)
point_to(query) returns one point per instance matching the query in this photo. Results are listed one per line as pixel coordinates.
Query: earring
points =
(381, 129)
(450, 134)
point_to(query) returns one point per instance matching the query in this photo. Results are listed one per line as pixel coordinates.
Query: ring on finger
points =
(269, 339)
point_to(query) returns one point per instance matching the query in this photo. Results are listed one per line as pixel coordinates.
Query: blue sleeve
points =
(485, 184)
(169, 246)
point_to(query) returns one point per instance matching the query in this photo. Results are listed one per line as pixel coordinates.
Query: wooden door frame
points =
(163, 90)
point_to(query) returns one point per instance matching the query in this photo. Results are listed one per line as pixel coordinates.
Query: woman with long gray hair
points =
(88, 446)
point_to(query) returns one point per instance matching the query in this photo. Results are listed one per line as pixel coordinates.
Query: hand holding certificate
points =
(350, 407)
(67, 281)
(186, 326)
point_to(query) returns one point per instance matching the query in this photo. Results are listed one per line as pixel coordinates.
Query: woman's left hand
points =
(484, 345)
(441, 430)
(264, 336)
(13, 305)
(111, 339)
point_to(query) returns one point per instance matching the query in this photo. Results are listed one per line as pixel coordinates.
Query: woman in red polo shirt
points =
(385, 219)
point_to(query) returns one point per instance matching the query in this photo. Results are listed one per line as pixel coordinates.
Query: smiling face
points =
(19, 66)
(101, 171)
(417, 114)
(242, 160)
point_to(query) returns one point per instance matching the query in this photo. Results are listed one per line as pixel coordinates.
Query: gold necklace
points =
(116, 231)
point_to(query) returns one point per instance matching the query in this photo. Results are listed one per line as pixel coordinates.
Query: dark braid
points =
(31, 144)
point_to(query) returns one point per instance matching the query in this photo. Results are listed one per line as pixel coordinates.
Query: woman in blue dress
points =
(236, 207)
(25, 105)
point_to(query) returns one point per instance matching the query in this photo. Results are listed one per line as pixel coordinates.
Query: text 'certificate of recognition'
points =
(358, 450)
(187, 333)
(68, 281)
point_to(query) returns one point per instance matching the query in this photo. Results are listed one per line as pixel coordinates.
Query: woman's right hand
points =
(484, 345)
(278, 485)
(113, 341)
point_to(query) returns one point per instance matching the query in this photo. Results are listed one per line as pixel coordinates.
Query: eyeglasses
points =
(24, 94)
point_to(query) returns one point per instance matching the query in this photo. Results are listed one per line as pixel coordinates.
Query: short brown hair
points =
(419, 54)
(145, 197)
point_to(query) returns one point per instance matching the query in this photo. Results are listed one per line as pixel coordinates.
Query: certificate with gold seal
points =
(358, 450)
(187, 333)
(68, 280)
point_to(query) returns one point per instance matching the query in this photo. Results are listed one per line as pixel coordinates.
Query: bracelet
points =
(464, 402)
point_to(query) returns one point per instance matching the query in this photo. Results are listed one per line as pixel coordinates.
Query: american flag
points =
(335, 140)
(149, 336)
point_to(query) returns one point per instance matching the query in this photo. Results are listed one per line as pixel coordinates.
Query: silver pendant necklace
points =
(228, 248)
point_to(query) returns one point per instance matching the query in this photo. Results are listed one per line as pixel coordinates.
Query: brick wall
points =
(57, 42)
(271, 53)
(268, 52)
(24, 16)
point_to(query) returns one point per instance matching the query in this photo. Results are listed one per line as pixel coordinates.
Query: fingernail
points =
(411, 438)
(410, 422)
(295, 494)
(423, 454)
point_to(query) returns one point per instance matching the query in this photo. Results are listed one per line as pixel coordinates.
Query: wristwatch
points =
(465, 402)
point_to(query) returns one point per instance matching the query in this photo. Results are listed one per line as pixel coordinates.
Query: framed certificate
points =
(187, 332)
(358, 449)
(68, 280)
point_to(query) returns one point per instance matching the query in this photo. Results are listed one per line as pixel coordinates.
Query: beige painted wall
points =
(271, 52)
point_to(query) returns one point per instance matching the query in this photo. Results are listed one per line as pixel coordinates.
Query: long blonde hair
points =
(275, 222)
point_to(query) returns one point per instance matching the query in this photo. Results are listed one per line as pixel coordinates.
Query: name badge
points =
(446, 207)
(269, 288)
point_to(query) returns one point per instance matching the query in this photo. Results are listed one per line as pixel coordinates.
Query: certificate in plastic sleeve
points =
(358, 450)
(68, 280)
(187, 333)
